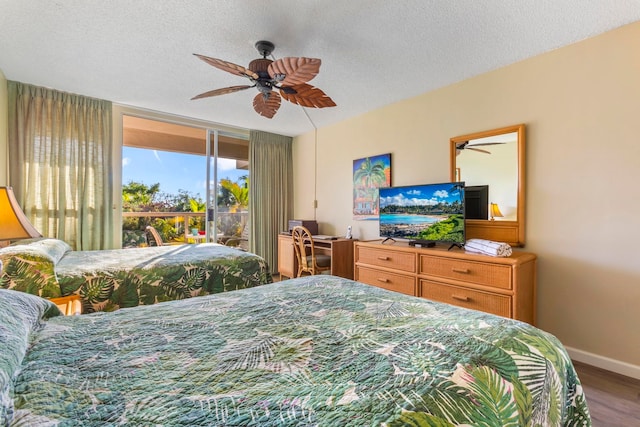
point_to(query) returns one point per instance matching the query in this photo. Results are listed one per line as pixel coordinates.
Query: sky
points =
(174, 171)
(418, 195)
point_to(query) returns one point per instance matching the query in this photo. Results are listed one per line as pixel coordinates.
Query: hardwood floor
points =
(613, 399)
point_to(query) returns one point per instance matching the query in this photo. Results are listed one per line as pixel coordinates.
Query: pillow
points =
(54, 248)
(29, 266)
(20, 313)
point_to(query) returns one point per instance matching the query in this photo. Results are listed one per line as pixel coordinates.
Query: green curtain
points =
(60, 152)
(270, 192)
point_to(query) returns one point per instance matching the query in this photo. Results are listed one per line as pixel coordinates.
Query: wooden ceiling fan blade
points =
(295, 70)
(222, 91)
(308, 96)
(229, 67)
(267, 106)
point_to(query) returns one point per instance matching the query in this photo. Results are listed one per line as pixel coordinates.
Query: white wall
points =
(580, 104)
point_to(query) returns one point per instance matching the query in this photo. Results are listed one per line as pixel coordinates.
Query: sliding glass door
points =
(188, 182)
(228, 191)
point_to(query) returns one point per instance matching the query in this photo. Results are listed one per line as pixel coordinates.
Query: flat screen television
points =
(423, 214)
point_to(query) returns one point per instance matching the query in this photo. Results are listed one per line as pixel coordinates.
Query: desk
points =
(340, 250)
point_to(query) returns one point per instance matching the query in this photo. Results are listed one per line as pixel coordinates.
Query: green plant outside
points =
(450, 229)
(232, 199)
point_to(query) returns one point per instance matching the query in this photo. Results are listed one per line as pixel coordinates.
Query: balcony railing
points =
(179, 227)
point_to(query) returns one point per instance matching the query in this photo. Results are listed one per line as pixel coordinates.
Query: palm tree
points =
(370, 174)
(234, 195)
(197, 205)
(368, 178)
(459, 187)
(137, 196)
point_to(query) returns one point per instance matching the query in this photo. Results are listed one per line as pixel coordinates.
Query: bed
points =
(110, 279)
(312, 351)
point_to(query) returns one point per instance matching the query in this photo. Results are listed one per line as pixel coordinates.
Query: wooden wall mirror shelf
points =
(493, 163)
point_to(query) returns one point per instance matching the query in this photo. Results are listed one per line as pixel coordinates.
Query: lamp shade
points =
(13, 222)
(495, 211)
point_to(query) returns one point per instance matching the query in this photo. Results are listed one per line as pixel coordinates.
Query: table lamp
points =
(495, 211)
(14, 225)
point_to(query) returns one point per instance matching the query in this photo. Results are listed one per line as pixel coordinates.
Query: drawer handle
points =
(380, 279)
(461, 270)
(383, 258)
(459, 298)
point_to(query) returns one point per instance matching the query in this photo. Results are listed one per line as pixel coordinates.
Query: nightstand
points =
(70, 305)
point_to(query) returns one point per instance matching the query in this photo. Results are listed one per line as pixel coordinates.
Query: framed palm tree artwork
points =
(369, 174)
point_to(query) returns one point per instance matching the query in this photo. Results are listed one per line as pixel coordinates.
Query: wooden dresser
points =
(502, 286)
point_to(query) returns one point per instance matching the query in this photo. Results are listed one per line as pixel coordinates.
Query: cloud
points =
(126, 161)
(401, 200)
(413, 198)
(157, 156)
(226, 164)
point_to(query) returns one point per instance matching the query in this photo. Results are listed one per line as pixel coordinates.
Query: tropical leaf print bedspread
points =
(314, 351)
(111, 279)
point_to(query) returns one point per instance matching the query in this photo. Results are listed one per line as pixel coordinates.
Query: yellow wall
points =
(581, 105)
(4, 172)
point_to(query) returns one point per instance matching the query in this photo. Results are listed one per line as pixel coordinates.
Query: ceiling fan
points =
(288, 75)
(464, 145)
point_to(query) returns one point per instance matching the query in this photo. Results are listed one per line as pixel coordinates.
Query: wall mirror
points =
(492, 166)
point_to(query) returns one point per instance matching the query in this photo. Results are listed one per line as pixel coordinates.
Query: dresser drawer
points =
(463, 297)
(391, 281)
(404, 261)
(481, 273)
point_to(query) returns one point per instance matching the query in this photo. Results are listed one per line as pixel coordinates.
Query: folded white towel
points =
(488, 247)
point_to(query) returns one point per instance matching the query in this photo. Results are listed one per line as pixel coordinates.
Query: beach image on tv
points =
(431, 212)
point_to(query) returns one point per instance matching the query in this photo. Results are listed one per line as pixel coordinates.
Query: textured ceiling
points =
(374, 52)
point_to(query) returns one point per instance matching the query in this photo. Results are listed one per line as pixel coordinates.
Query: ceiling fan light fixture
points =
(264, 87)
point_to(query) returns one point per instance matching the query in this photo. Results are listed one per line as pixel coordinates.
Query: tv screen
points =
(424, 214)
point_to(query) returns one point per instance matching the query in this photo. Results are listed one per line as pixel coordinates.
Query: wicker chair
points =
(240, 242)
(308, 261)
(153, 237)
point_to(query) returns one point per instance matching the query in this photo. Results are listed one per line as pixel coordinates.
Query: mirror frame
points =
(511, 232)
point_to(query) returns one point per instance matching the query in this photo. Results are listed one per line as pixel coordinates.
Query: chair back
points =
(152, 236)
(301, 241)
(305, 252)
(240, 242)
(243, 241)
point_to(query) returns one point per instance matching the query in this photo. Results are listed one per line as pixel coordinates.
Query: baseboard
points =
(603, 362)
